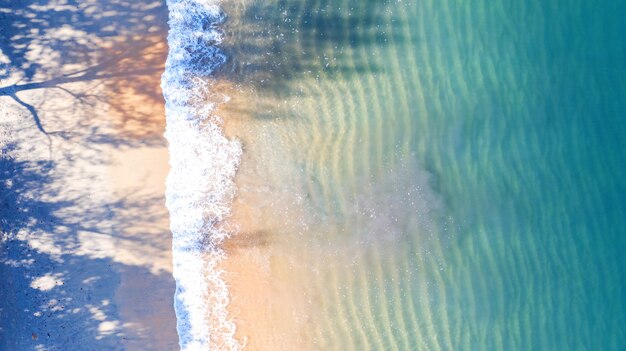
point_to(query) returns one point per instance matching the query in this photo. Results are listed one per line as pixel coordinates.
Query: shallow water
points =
(441, 175)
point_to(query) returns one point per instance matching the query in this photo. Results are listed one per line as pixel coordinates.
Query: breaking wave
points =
(200, 185)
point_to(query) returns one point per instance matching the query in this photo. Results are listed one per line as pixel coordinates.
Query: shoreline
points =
(97, 235)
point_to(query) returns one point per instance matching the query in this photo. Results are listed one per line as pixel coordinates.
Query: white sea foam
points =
(200, 184)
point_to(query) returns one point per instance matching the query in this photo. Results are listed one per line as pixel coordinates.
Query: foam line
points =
(200, 184)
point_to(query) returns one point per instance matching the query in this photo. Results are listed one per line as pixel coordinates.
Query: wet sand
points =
(269, 302)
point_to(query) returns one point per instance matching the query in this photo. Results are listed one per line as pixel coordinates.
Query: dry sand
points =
(86, 249)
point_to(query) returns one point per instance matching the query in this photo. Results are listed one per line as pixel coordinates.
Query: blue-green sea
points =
(441, 175)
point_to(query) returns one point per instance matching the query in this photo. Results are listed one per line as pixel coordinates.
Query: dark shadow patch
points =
(72, 308)
(137, 33)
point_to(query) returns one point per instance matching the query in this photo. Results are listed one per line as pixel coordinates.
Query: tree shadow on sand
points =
(83, 76)
(118, 44)
(58, 272)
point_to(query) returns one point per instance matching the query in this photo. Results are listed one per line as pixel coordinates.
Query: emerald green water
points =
(448, 175)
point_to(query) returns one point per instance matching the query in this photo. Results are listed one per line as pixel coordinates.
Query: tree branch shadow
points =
(122, 45)
(84, 75)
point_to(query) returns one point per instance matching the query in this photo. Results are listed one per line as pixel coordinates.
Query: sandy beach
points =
(86, 249)
(86, 245)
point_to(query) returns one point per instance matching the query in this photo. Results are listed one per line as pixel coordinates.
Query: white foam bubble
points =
(200, 184)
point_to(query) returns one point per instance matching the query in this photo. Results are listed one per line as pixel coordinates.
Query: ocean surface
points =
(443, 175)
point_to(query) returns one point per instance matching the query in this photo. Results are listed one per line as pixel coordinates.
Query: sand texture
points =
(85, 258)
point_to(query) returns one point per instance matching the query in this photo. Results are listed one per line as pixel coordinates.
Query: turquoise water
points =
(449, 175)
